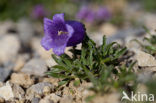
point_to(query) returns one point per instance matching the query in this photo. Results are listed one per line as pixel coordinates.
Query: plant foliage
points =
(99, 65)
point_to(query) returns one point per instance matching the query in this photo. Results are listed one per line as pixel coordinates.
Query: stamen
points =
(61, 32)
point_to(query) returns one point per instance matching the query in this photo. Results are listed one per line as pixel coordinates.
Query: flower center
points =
(62, 32)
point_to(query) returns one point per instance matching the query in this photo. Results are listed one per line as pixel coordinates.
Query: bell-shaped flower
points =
(60, 33)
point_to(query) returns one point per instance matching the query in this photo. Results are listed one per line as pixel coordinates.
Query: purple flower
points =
(103, 14)
(86, 14)
(60, 33)
(39, 11)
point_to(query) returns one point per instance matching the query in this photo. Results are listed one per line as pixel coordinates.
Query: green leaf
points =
(61, 68)
(63, 82)
(120, 52)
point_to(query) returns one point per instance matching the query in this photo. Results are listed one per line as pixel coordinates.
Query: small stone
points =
(8, 42)
(4, 73)
(35, 66)
(46, 101)
(52, 98)
(109, 98)
(2, 100)
(144, 59)
(22, 79)
(50, 62)
(108, 29)
(41, 52)
(35, 100)
(46, 90)
(6, 92)
(25, 30)
(52, 80)
(5, 26)
(20, 62)
(18, 92)
(66, 99)
(97, 38)
(149, 20)
(1, 84)
(126, 33)
(130, 44)
(37, 89)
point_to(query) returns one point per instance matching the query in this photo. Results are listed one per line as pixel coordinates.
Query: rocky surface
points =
(10, 46)
(35, 66)
(23, 64)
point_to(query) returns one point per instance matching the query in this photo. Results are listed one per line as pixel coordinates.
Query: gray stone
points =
(10, 46)
(25, 30)
(123, 34)
(35, 100)
(144, 59)
(35, 66)
(144, 76)
(4, 74)
(37, 89)
(39, 51)
(18, 91)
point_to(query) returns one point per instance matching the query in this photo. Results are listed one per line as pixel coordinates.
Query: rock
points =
(25, 30)
(125, 33)
(37, 89)
(46, 90)
(109, 98)
(10, 46)
(66, 99)
(2, 100)
(4, 73)
(41, 52)
(5, 26)
(149, 20)
(132, 45)
(52, 98)
(144, 77)
(15, 100)
(108, 29)
(6, 92)
(144, 59)
(1, 84)
(22, 79)
(97, 38)
(50, 62)
(35, 66)
(35, 100)
(21, 60)
(52, 80)
(46, 101)
(18, 92)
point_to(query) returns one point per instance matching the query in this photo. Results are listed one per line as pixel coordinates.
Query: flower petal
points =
(61, 41)
(58, 17)
(59, 50)
(78, 35)
(46, 42)
(59, 22)
(49, 28)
